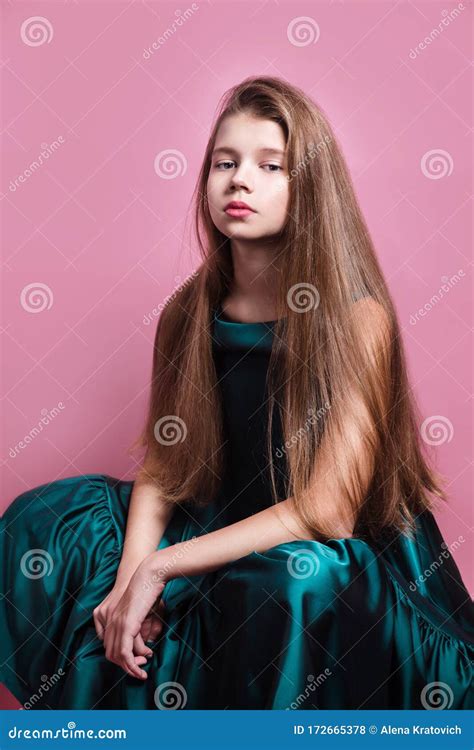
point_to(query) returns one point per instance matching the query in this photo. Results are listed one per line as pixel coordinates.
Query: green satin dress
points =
(304, 625)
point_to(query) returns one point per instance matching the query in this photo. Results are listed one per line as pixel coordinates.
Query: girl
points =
(276, 548)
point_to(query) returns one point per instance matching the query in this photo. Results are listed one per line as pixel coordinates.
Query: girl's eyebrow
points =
(264, 149)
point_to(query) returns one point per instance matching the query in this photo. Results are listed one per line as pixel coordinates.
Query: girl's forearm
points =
(257, 533)
(148, 517)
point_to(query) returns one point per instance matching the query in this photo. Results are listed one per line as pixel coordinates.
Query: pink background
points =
(105, 232)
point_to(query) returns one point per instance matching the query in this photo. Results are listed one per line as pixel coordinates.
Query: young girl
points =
(277, 548)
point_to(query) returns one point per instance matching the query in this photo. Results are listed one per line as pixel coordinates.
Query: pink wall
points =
(102, 230)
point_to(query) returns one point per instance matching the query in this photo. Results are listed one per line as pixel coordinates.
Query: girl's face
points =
(249, 165)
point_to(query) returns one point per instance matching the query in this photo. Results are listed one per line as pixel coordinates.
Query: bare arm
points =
(261, 531)
(334, 504)
(335, 494)
(148, 517)
(275, 525)
(339, 495)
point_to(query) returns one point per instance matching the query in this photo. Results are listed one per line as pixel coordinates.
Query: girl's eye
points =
(226, 164)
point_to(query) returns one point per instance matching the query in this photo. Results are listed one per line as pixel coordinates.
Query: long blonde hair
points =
(325, 246)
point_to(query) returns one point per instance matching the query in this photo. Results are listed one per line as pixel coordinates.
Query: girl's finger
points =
(99, 626)
(146, 629)
(139, 647)
(156, 628)
(121, 654)
(127, 659)
(109, 645)
(151, 628)
(159, 609)
(108, 639)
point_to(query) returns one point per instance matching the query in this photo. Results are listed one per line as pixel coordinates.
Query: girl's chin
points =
(252, 239)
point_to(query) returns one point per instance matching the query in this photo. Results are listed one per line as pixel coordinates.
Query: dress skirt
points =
(304, 625)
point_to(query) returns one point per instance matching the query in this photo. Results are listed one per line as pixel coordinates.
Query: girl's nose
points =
(240, 180)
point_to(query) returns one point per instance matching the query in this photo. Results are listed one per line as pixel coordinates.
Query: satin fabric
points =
(303, 625)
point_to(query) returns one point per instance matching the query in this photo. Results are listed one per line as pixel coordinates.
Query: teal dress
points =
(304, 625)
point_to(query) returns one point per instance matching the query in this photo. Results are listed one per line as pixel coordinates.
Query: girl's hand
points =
(104, 611)
(152, 624)
(124, 630)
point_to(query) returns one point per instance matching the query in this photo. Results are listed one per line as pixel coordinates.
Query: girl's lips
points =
(239, 212)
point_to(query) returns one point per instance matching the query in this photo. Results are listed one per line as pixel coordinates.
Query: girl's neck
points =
(247, 309)
(255, 277)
